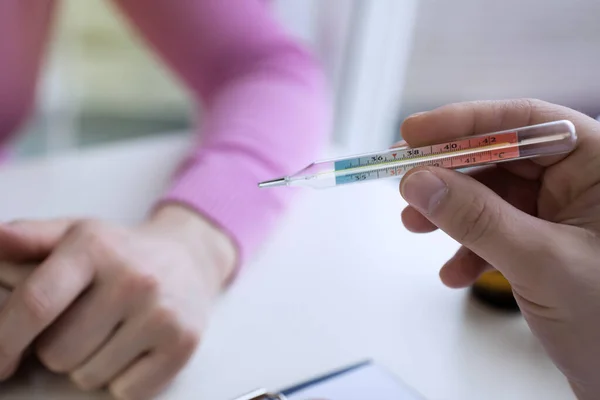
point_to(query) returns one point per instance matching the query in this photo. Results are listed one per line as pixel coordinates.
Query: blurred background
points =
(385, 58)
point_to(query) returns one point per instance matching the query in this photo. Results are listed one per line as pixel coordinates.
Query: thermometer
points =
(546, 139)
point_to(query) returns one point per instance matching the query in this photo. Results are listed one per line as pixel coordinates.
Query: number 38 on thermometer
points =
(551, 138)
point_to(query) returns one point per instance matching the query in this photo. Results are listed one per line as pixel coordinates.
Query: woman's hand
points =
(537, 222)
(112, 306)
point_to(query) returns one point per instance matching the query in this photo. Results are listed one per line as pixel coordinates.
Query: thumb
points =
(478, 218)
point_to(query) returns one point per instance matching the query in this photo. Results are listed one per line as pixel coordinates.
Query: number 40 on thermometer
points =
(527, 142)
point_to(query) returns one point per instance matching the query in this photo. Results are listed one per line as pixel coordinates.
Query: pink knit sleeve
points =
(265, 112)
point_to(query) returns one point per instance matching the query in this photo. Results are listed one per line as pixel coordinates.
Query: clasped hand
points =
(109, 305)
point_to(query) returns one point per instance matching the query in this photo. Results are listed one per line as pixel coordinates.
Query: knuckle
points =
(84, 227)
(189, 340)
(164, 318)
(532, 107)
(93, 234)
(37, 303)
(140, 284)
(52, 359)
(532, 102)
(122, 391)
(84, 381)
(147, 283)
(184, 338)
(474, 219)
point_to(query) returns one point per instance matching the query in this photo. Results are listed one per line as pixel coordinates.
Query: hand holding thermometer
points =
(517, 144)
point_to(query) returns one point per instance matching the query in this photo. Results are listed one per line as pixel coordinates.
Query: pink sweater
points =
(263, 97)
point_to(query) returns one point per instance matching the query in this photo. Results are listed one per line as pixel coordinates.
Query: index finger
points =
(568, 175)
(40, 299)
(31, 241)
(11, 274)
(479, 117)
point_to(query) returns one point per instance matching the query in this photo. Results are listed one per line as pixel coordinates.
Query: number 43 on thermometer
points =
(546, 139)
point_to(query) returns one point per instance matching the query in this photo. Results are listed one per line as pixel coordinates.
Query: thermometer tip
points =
(273, 183)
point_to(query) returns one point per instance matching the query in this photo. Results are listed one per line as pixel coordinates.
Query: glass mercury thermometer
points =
(546, 139)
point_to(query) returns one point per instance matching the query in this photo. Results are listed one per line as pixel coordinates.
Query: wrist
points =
(211, 248)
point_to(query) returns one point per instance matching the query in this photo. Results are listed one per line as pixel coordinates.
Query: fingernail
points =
(423, 190)
(415, 115)
(401, 143)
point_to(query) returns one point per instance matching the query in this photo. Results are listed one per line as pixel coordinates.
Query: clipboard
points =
(264, 394)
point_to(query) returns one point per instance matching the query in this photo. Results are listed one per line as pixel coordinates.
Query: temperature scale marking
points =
(499, 145)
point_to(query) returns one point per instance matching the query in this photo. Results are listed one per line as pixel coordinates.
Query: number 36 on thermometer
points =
(527, 142)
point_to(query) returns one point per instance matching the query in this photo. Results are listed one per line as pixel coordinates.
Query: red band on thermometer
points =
(499, 154)
(550, 138)
(501, 147)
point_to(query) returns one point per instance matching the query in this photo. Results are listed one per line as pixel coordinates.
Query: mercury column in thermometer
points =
(546, 139)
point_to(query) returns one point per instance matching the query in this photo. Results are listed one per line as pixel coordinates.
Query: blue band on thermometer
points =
(550, 138)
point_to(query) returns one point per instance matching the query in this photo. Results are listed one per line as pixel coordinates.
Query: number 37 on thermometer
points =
(546, 139)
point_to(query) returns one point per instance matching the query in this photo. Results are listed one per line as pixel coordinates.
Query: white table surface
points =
(341, 280)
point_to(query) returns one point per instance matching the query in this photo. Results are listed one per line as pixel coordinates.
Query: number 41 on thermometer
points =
(550, 138)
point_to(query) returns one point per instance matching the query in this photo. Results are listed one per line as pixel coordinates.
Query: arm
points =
(25, 27)
(265, 113)
(265, 108)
